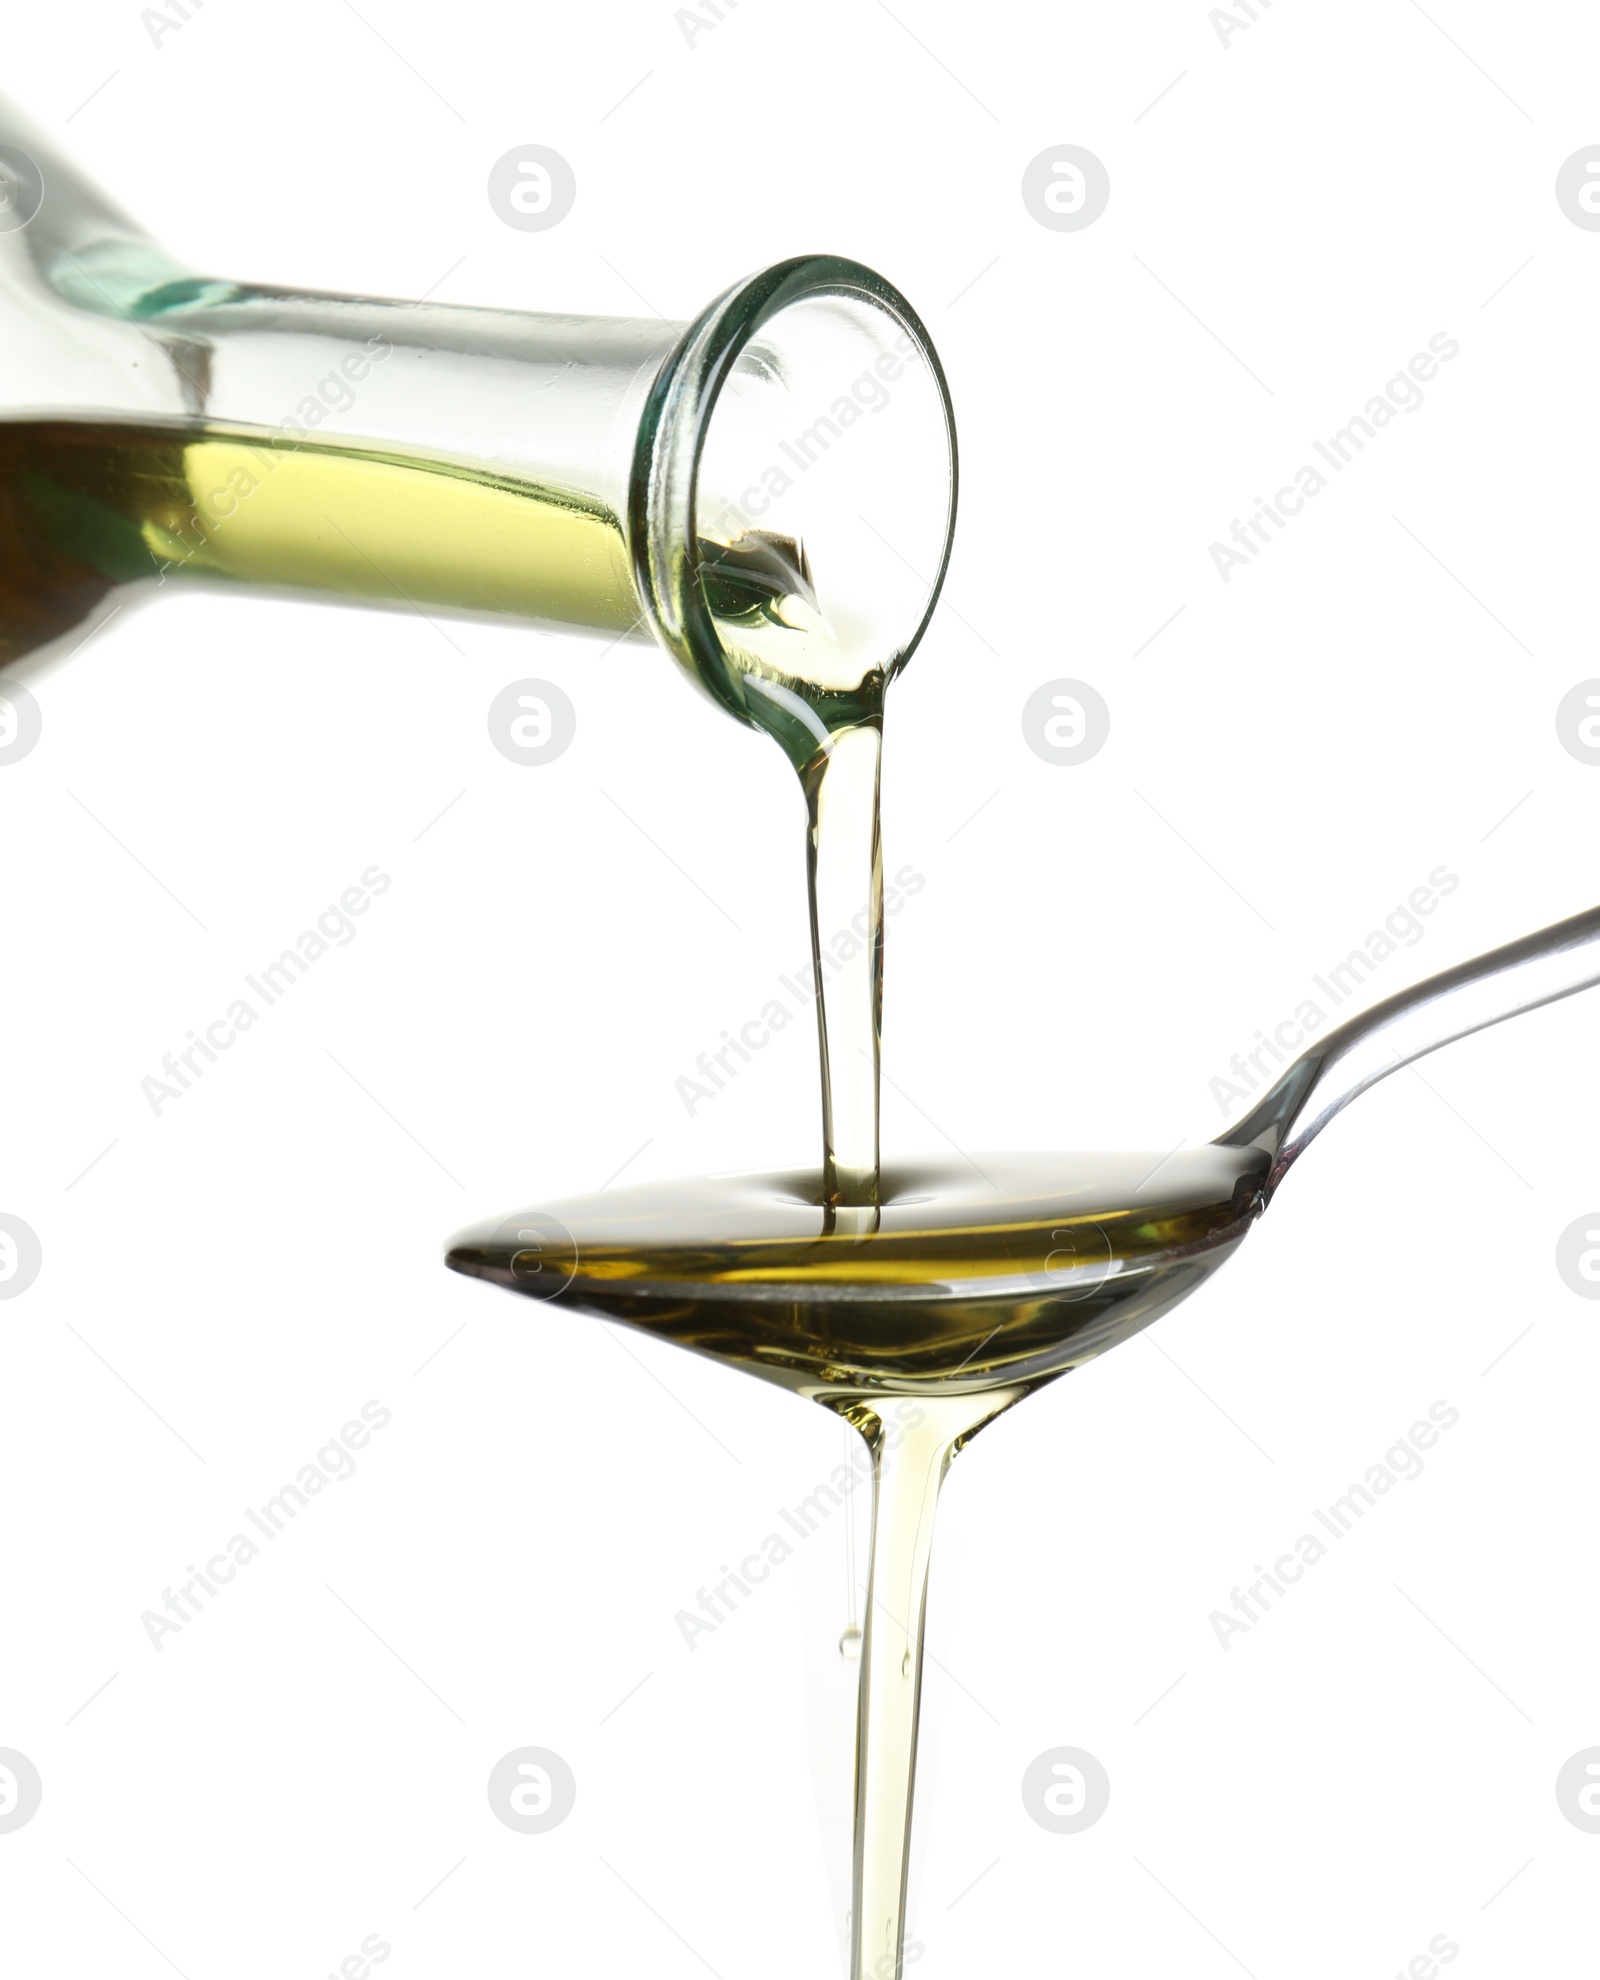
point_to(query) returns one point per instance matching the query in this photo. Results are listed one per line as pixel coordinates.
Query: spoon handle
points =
(1534, 970)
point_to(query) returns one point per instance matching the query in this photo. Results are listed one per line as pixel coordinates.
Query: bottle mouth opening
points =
(793, 497)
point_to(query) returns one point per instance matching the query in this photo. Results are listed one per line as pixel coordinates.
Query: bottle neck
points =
(468, 460)
(169, 424)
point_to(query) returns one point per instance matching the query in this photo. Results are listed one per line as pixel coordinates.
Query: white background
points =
(1367, 1768)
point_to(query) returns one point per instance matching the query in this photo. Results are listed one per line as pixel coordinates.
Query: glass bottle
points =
(769, 491)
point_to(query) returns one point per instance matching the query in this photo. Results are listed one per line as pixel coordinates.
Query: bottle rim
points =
(662, 500)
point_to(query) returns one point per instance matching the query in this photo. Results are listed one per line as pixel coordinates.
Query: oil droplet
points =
(905, 1665)
(850, 1642)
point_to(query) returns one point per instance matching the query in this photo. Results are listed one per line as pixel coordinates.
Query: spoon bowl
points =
(995, 1270)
